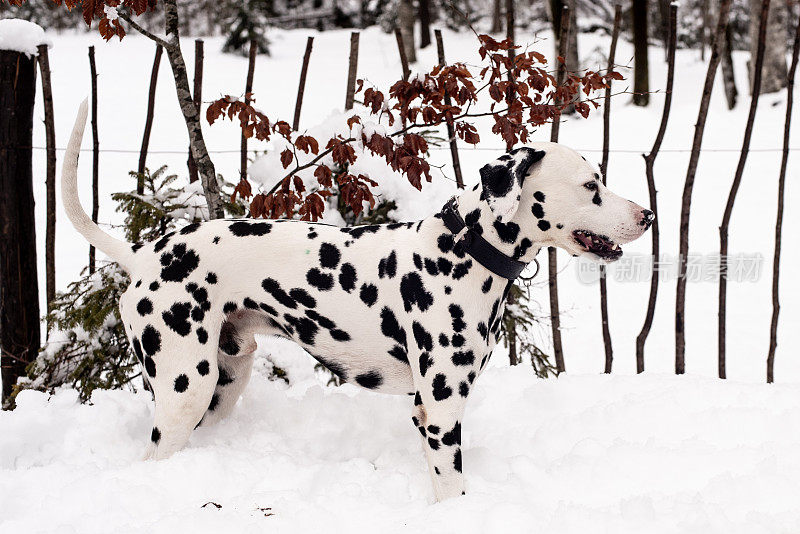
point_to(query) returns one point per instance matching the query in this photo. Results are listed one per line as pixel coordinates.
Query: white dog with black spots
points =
(398, 308)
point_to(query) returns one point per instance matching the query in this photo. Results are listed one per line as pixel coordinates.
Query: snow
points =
(22, 36)
(654, 453)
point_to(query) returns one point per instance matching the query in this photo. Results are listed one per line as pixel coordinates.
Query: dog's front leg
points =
(438, 419)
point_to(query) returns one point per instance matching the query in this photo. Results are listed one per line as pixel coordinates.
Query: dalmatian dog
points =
(404, 308)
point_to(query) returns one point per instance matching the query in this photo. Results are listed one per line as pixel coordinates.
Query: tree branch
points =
(135, 26)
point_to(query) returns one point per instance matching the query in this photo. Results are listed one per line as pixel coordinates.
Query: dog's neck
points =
(512, 239)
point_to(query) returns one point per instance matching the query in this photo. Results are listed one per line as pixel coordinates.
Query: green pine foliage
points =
(519, 325)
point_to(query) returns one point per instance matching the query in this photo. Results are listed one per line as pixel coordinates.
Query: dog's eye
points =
(591, 185)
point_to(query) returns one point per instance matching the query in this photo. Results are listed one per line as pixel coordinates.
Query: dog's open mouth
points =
(599, 245)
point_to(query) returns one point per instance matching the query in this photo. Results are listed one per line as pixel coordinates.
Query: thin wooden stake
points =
(301, 89)
(512, 53)
(686, 200)
(603, 171)
(198, 100)
(401, 48)
(776, 260)
(95, 154)
(649, 163)
(451, 136)
(50, 179)
(248, 88)
(552, 259)
(737, 180)
(351, 73)
(148, 123)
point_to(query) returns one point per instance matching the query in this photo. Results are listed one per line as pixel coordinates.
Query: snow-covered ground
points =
(583, 453)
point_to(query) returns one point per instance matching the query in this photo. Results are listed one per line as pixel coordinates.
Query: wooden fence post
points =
(649, 163)
(603, 172)
(95, 154)
(248, 88)
(451, 135)
(776, 259)
(148, 123)
(301, 89)
(351, 73)
(401, 47)
(737, 180)
(686, 200)
(552, 259)
(50, 180)
(19, 290)
(198, 100)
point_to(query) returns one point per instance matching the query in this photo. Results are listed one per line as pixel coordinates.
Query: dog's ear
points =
(502, 180)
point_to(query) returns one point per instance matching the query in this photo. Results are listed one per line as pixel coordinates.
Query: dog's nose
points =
(647, 217)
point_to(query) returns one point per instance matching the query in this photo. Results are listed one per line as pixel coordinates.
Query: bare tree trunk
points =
(511, 333)
(50, 180)
(686, 200)
(649, 163)
(776, 260)
(559, 8)
(95, 155)
(497, 17)
(351, 73)
(148, 122)
(773, 77)
(510, 13)
(663, 24)
(198, 100)
(552, 259)
(301, 89)
(451, 135)
(604, 172)
(19, 290)
(248, 88)
(424, 10)
(737, 180)
(406, 18)
(729, 81)
(641, 84)
(401, 48)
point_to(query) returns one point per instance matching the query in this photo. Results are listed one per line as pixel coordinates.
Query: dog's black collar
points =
(476, 246)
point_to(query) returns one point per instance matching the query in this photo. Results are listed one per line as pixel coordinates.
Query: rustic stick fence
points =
(95, 154)
(148, 123)
(248, 89)
(198, 100)
(301, 89)
(50, 180)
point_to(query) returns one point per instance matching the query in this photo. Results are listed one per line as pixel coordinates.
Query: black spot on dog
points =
(135, 247)
(482, 330)
(155, 435)
(431, 267)
(214, 402)
(224, 377)
(457, 313)
(229, 307)
(413, 292)
(347, 277)
(274, 288)
(425, 362)
(462, 269)
(368, 294)
(441, 390)
(448, 290)
(137, 349)
(445, 242)
(537, 210)
(329, 256)
(202, 335)
(144, 307)
(211, 278)
(466, 357)
(177, 318)
(433, 444)
(269, 309)
(538, 195)
(543, 225)
(472, 218)
(178, 264)
(150, 367)
(203, 368)
(391, 328)
(162, 243)
(250, 304)
(189, 228)
(444, 265)
(399, 353)
(154, 286)
(487, 285)
(323, 321)
(417, 261)
(358, 231)
(422, 337)
(138, 283)
(245, 228)
(306, 328)
(457, 460)
(181, 383)
(458, 340)
(433, 429)
(521, 249)
(388, 266)
(453, 436)
(339, 335)
(302, 296)
(227, 339)
(320, 280)
(151, 340)
(444, 340)
(370, 380)
(559, 226)
(507, 232)
(215, 240)
(463, 389)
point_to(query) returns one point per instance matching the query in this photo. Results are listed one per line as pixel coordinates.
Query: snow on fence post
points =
(603, 172)
(19, 290)
(552, 259)
(451, 136)
(686, 200)
(737, 180)
(401, 47)
(776, 260)
(248, 89)
(148, 123)
(351, 73)
(50, 179)
(95, 154)
(198, 100)
(301, 88)
(649, 163)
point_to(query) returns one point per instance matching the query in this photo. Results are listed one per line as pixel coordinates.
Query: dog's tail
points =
(117, 250)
